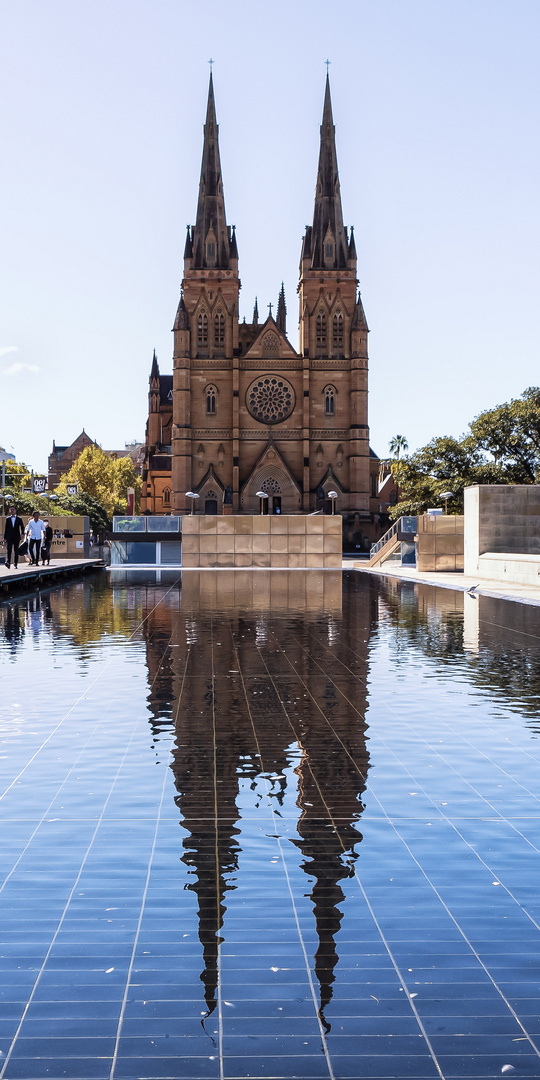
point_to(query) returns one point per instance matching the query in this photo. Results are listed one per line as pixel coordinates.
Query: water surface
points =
(257, 824)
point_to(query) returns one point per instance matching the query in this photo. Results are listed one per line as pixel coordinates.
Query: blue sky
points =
(436, 106)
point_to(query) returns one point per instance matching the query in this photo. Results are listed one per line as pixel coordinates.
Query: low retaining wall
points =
(502, 532)
(506, 566)
(288, 541)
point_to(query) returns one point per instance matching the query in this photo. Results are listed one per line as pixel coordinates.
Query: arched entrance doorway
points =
(271, 505)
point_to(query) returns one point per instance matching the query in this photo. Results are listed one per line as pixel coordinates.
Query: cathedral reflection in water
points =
(260, 676)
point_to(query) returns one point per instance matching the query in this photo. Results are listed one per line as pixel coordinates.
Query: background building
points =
(244, 410)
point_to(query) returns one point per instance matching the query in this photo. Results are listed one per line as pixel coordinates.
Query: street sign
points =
(72, 489)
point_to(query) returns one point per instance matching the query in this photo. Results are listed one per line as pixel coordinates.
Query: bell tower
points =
(206, 325)
(333, 343)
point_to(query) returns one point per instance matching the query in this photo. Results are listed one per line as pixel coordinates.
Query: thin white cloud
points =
(15, 369)
(4, 349)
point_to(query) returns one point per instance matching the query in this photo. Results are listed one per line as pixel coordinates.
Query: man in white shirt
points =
(35, 530)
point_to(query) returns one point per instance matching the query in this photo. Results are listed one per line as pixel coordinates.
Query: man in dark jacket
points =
(46, 544)
(13, 532)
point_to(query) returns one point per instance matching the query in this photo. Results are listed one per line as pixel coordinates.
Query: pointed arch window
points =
(211, 400)
(337, 330)
(329, 400)
(219, 329)
(321, 330)
(167, 497)
(202, 329)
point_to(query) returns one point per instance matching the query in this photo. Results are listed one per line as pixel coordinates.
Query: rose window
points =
(270, 399)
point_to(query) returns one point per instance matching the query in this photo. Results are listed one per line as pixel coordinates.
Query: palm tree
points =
(398, 445)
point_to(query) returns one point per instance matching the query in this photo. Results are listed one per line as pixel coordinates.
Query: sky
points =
(436, 107)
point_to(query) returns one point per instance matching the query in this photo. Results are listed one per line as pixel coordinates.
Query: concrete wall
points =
(501, 519)
(439, 542)
(290, 541)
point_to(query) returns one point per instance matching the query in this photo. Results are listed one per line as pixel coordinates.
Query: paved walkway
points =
(523, 594)
(29, 575)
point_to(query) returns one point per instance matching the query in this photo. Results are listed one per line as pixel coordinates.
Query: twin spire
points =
(211, 244)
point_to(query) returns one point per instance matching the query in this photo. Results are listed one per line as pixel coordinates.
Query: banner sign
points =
(40, 483)
(72, 489)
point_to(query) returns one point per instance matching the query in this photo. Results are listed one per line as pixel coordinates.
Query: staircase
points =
(404, 528)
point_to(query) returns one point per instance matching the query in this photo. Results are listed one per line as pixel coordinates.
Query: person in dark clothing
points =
(46, 544)
(13, 532)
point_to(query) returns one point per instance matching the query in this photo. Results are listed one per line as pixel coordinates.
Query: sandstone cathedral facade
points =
(244, 410)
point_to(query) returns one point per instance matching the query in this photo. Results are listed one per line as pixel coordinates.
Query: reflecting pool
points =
(264, 824)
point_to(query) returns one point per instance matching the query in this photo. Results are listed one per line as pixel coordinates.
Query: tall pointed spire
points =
(328, 242)
(210, 237)
(154, 373)
(281, 317)
(255, 319)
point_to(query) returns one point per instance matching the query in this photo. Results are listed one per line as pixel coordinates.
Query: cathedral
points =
(245, 411)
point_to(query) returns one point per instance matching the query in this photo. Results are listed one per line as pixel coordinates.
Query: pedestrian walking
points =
(34, 531)
(46, 544)
(13, 533)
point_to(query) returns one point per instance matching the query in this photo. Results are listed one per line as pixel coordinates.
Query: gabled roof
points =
(273, 461)
(270, 343)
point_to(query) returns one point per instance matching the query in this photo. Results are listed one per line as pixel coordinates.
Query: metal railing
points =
(404, 525)
(151, 524)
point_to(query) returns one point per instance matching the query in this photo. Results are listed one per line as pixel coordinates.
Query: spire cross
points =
(270, 308)
(211, 62)
(327, 62)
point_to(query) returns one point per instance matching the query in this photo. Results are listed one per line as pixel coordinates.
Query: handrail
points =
(405, 524)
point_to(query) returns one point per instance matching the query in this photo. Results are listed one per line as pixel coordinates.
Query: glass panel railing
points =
(129, 524)
(158, 523)
(163, 524)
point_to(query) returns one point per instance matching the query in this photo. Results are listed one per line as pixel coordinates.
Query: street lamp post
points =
(446, 495)
(262, 496)
(192, 495)
(333, 496)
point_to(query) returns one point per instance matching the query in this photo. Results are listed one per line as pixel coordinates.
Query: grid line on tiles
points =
(322, 1032)
(115, 1054)
(81, 697)
(217, 867)
(72, 768)
(61, 920)
(481, 754)
(469, 944)
(384, 940)
(444, 817)
(460, 930)
(48, 809)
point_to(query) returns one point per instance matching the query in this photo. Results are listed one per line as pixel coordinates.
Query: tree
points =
(510, 433)
(85, 506)
(397, 445)
(104, 478)
(17, 476)
(501, 447)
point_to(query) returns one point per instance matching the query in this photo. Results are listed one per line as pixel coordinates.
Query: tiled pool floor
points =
(251, 827)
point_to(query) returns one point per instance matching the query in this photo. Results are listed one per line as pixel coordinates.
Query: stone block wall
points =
(288, 541)
(502, 519)
(440, 542)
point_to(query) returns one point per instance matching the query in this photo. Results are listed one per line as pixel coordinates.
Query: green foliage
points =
(85, 506)
(25, 502)
(17, 475)
(104, 479)
(501, 447)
